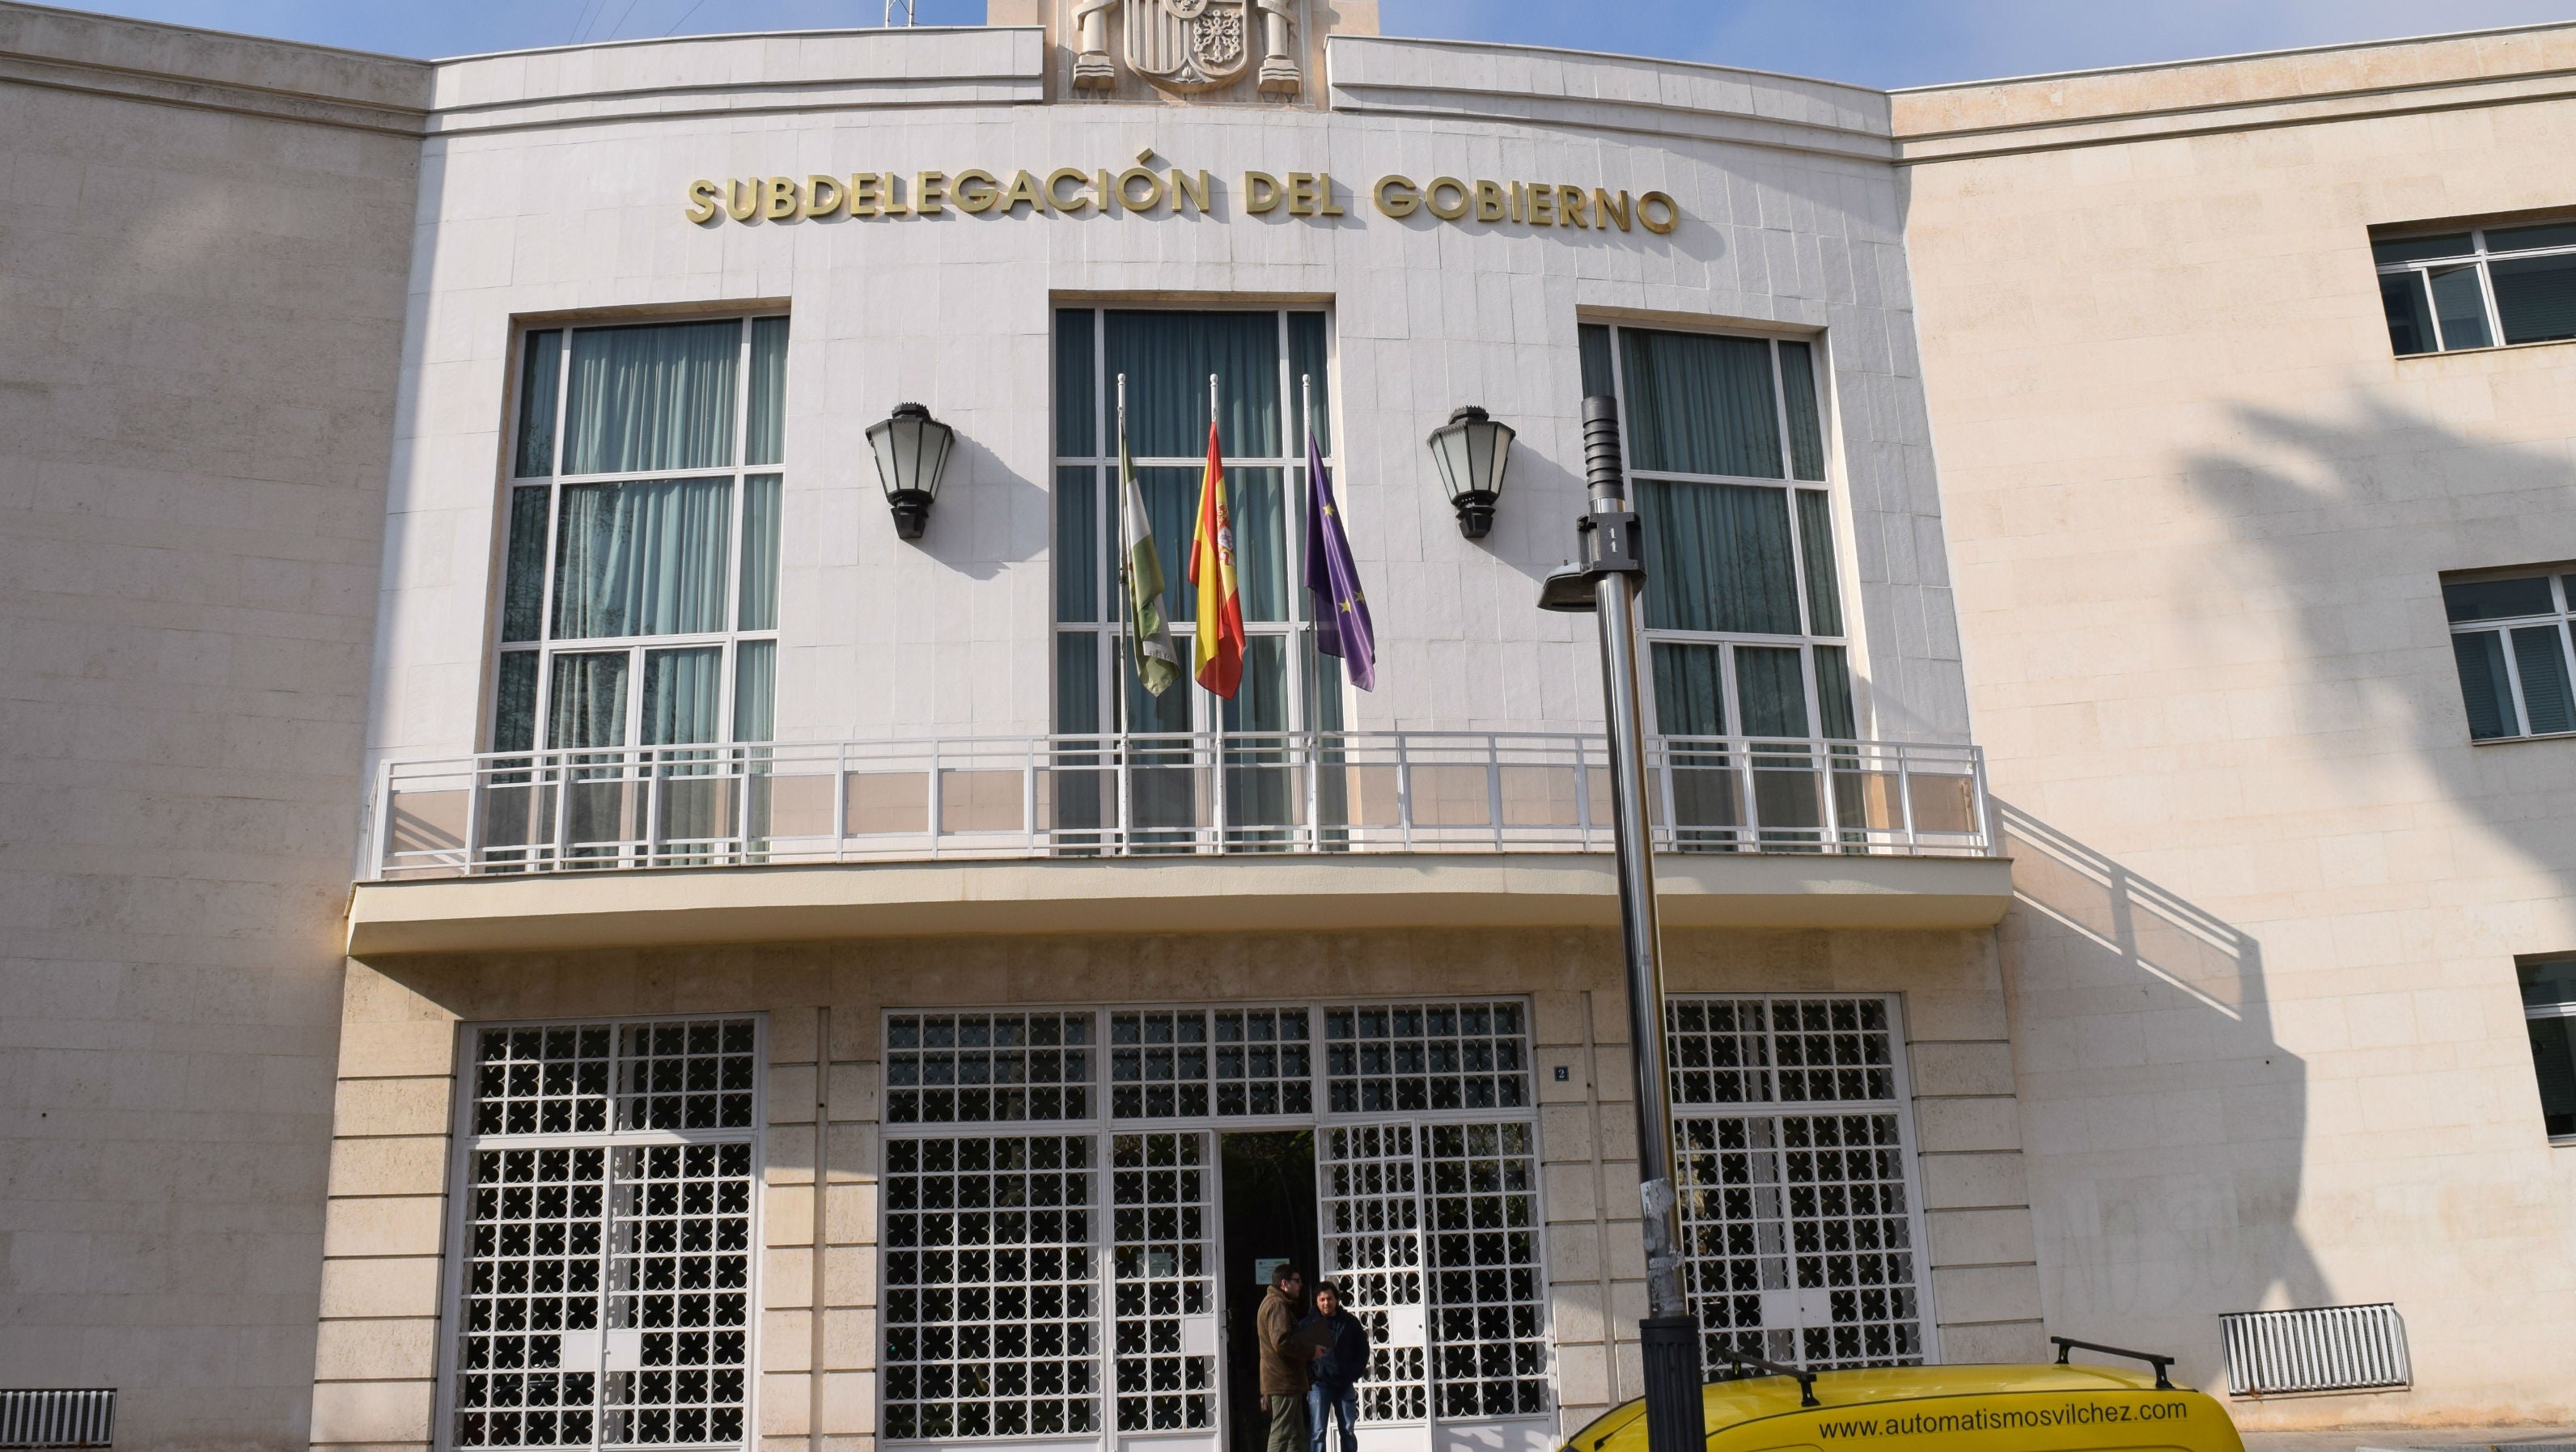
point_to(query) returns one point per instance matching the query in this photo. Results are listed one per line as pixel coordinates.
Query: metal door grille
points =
(58, 1417)
(1373, 1249)
(2322, 1348)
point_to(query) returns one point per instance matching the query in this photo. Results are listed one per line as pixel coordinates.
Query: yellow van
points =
(1975, 1408)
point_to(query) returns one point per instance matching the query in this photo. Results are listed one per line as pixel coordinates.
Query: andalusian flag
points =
(1217, 647)
(1149, 632)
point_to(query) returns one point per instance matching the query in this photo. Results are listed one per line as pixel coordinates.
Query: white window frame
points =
(463, 1142)
(1110, 652)
(1909, 1145)
(2537, 1012)
(2503, 626)
(1806, 641)
(546, 648)
(1102, 1128)
(2478, 255)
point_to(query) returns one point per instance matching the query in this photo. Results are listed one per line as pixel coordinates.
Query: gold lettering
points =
(742, 199)
(1396, 196)
(781, 203)
(1569, 207)
(1605, 210)
(867, 194)
(895, 206)
(1672, 213)
(1195, 193)
(1301, 194)
(1054, 189)
(1127, 190)
(1260, 193)
(1101, 190)
(1520, 204)
(1325, 206)
(1542, 205)
(1489, 201)
(927, 189)
(703, 196)
(1024, 188)
(1452, 213)
(976, 191)
(824, 195)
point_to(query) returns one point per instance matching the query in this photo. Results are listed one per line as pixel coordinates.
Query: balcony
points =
(1047, 834)
(969, 798)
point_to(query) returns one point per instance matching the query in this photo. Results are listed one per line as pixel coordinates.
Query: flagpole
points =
(1300, 677)
(1216, 713)
(1126, 628)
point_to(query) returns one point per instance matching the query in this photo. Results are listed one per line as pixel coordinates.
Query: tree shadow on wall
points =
(2168, 1119)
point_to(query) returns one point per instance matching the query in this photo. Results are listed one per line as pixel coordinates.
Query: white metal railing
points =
(2322, 1348)
(1128, 796)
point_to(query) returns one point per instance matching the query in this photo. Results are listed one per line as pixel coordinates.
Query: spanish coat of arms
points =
(1186, 45)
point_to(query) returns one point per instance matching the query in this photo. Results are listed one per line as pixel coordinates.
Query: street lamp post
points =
(1606, 582)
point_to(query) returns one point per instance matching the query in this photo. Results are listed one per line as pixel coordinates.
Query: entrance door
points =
(1373, 1250)
(1269, 1217)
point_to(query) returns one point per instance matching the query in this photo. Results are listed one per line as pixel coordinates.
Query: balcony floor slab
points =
(1162, 895)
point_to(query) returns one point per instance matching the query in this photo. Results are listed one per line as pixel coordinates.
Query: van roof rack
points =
(1736, 1361)
(2066, 1344)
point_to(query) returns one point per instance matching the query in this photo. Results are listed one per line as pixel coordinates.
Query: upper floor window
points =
(1272, 383)
(2478, 287)
(1743, 608)
(2509, 635)
(639, 602)
(2549, 1012)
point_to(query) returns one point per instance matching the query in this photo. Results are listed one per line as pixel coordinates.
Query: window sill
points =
(2490, 348)
(2519, 740)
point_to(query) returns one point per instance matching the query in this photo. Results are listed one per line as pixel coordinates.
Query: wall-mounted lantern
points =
(1472, 449)
(912, 451)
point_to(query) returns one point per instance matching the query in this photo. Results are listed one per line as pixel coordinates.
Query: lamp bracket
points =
(1610, 544)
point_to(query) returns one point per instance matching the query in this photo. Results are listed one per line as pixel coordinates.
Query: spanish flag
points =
(1216, 647)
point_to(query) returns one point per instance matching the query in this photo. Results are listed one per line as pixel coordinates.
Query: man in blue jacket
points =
(1334, 1395)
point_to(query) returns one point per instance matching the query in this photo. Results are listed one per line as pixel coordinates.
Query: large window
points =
(2478, 287)
(1726, 453)
(606, 1289)
(640, 584)
(1799, 1232)
(2549, 1011)
(1273, 382)
(2509, 636)
(1054, 1208)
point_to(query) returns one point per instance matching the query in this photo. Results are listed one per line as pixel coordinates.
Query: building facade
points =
(725, 964)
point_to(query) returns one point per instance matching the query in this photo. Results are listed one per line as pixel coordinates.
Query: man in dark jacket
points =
(1337, 1369)
(1284, 1359)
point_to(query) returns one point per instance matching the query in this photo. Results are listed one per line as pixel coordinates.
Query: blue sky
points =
(1873, 42)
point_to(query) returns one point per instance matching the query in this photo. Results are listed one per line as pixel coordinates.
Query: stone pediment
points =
(1193, 51)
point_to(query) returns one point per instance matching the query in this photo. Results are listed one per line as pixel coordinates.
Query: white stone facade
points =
(2246, 1038)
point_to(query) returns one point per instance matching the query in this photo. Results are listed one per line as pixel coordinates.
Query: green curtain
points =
(1718, 557)
(683, 690)
(652, 397)
(767, 425)
(1079, 552)
(643, 558)
(540, 379)
(1077, 682)
(1172, 502)
(1770, 691)
(586, 701)
(1700, 404)
(759, 604)
(1257, 500)
(1798, 397)
(1598, 379)
(523, 588)
(1690, 689)
(1816, 552)
(1308, 359)
(514, 702)
(1834, 694)
(755, 690)
(1076, 405)
(1167, 357)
